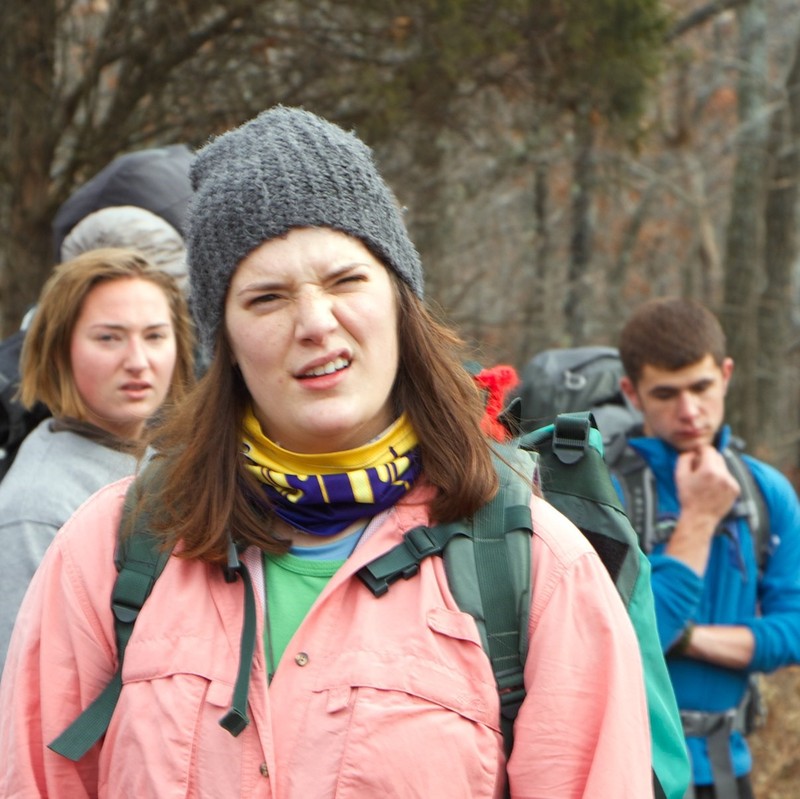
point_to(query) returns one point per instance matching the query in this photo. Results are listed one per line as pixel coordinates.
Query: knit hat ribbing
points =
(286, 168)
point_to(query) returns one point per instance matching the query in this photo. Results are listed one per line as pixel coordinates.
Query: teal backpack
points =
(487, 561)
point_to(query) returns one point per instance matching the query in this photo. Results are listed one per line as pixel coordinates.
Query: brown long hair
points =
(45, 364)
(204, 495)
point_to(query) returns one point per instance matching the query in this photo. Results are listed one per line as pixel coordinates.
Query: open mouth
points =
(336, 365)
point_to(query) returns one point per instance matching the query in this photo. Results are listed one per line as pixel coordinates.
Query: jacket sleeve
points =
(61, 656)
(677, 592)
(582, 731)
(777, 627)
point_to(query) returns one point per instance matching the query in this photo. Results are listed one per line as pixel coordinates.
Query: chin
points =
(688, 445)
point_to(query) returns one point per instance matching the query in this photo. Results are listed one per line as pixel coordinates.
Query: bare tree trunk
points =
(28, 42)
(745, 234)
(777, 400)
(619, 270)
(83, 82)
(536, 288)
(576, 304)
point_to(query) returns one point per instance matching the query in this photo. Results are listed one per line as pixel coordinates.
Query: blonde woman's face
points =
(123, 354)
(311, 319)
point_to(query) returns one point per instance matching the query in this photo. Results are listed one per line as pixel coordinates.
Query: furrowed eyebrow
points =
(348, 266)
(278, 284)
(260, 287)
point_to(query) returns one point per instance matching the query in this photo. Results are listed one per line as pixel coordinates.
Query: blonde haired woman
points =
(110, 342)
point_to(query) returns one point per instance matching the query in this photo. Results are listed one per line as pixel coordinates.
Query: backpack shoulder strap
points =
(140, 558)
(637, 486)
(751, 503)
(488, 567)
(489, 574)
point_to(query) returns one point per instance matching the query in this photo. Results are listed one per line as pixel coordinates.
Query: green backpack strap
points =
(487, 561)
(140, 557)
(489, 574)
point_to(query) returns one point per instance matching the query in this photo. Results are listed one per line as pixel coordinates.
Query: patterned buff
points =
(323, 494)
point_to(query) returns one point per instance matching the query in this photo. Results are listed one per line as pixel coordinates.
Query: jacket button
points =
(301, 658)
(264, 770)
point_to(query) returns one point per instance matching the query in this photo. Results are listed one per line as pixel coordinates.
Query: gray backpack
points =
(572, 380)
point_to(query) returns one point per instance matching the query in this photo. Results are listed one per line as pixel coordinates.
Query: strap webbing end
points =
(234, 722)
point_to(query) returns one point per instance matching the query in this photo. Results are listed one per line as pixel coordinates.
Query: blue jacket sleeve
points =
(677, 591)
(777, 627)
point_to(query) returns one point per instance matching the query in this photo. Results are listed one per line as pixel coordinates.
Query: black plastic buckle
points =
(511, 689)
(125, 613)
(421, 544)
(571, 438)
(377, 585)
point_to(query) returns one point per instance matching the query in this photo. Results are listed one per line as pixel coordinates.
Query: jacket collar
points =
(661, 455)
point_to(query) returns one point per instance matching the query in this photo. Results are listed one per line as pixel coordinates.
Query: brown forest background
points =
(561, 162)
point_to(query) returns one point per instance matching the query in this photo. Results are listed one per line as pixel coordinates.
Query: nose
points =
(136, 355)
(315, 316)
(688, 407)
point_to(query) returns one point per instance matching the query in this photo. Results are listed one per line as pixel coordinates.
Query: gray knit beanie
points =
(286, 168)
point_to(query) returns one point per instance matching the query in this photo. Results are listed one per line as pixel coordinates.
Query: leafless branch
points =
(700, 16)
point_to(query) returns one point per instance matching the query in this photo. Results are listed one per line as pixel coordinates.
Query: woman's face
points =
(312, 323)
(122, 354)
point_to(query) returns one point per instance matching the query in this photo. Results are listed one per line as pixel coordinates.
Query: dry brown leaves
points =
(776, 746)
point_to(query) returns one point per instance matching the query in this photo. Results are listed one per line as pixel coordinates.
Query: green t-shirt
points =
(292, 586)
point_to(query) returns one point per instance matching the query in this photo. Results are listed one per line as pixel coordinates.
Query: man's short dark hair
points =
(670, 334)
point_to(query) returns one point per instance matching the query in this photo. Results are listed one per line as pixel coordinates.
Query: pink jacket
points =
(388, 697)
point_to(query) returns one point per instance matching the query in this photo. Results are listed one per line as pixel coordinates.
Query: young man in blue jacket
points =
(726, 585)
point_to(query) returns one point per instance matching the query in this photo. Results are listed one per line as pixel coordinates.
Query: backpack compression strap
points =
(576, 481)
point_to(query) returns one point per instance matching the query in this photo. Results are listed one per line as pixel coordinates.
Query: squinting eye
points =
(264, 299)
(352, 279)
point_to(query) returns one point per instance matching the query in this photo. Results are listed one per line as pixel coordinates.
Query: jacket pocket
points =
(175, 690)
(415, 720)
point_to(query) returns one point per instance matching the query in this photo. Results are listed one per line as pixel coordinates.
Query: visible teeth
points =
(328, 368)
